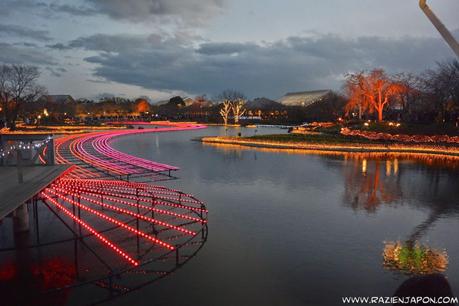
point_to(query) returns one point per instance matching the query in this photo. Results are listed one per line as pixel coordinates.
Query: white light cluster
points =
(23, 146)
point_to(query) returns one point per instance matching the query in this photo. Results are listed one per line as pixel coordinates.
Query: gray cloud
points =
(13, 54)
(23, 32)
(189, 11)
(8, 7)
(45, 8)
(76, 10)
(269, 69)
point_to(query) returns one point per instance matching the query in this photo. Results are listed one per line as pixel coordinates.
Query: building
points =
(57, 99)
(304, 98)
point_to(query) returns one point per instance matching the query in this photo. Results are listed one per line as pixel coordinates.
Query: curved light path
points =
(94, 157)
(109, 197)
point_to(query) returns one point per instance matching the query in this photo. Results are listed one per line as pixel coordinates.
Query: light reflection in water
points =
(332, 249)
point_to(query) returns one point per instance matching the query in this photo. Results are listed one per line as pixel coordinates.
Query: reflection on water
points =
(368, 184)
(57, 262)
(304, 229)
(308, 227)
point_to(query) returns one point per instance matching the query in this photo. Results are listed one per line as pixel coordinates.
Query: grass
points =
(411, 129)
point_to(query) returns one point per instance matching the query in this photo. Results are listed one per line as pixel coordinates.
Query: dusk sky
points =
(158, 48)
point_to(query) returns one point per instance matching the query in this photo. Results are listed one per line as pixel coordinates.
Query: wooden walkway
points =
(36, 178)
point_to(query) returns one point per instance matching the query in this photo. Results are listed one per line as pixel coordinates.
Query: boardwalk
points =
(36, 178)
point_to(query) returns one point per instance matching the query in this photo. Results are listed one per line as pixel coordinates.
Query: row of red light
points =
(100, 141)
(82, 173)
(78, 150)
(125, 157)
(138, 192)
(101, 145)
(128, 212)
(161, 189)
(140, 198)
(91, 230)
(109, 219)
(114, 198)
(134, 195)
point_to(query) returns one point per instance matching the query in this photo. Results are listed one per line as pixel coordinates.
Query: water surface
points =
(294, 229)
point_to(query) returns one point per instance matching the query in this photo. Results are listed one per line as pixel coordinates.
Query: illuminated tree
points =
(225, 111)
(239, 109)
(372, 92)
(356, 98)
(142, 106)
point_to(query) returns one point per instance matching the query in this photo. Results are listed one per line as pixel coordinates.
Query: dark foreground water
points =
(292, 229)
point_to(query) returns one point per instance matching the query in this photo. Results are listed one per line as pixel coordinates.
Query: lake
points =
(284, 228)
(294, 229)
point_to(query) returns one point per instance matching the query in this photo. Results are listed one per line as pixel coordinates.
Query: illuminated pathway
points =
(126, 223)
(94, 157)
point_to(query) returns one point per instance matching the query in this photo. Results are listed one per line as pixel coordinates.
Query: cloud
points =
(23, 32)
(187, 11)
(180, 12)
(76, 10)
(13, 54)
(269, 69)
(45, 8)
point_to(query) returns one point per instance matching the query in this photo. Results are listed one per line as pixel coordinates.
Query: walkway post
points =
(50, 152)
(19, 166)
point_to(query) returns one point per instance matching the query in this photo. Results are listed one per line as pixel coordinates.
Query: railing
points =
(24, 150)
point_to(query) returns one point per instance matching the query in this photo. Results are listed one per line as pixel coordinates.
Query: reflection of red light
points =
(91, 230)
(54, 273)
(7, 272)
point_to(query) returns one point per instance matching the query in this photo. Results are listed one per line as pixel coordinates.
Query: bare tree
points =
(225, 111)
(231, 95)
(442, 88)
(239, 110)
(18, 86)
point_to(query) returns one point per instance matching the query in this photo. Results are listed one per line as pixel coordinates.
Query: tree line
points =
(431, 97)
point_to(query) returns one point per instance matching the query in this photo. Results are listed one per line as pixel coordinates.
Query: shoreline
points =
(334, 147)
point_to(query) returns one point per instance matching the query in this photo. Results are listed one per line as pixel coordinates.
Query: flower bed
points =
(400, 137)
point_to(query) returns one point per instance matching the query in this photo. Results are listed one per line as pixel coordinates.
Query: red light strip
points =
(132, 197)
(113, 199)
(127, 212)
(161, 189)
(136, 192)
(100, 142)
(91, 230)
(109, 219)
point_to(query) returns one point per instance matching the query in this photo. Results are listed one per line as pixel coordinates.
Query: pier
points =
(27, 167)
(35, 178)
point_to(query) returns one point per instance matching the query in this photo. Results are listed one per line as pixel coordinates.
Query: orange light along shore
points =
(415, 149)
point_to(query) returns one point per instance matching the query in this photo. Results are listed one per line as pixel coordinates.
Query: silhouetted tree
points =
(18, 86)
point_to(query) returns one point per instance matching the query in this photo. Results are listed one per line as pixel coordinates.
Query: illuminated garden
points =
(225, 152)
